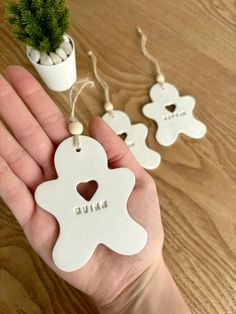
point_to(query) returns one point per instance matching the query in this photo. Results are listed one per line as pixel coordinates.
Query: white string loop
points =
(75, 127)
(160, 77)
(108, 105)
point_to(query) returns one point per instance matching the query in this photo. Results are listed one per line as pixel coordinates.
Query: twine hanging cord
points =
(75, 127)
(160, 77)
(108, 105)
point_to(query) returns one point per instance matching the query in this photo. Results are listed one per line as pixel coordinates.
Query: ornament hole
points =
(87, 189)
(171, 108)
(123, 136)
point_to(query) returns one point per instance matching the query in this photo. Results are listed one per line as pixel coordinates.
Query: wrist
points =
(152, 292)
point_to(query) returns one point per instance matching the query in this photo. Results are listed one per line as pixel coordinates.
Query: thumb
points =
(117, 151)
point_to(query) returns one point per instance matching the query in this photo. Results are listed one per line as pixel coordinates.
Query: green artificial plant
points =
(39, 23)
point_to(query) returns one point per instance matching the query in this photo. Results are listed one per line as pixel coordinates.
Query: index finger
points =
(49, 116)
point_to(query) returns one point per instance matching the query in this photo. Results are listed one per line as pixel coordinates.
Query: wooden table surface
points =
(195, 41)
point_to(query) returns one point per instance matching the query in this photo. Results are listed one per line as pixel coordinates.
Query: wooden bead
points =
(108, 107)
(75, 127)
(161, 79)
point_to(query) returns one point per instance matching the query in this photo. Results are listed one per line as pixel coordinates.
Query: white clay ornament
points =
(171, 124)
(135, 139)
(119, 121)
(165, 97)
(85, 223)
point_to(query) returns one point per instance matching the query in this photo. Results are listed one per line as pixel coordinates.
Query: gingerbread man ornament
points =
(86, 223)
(171, 124)
(120, 123)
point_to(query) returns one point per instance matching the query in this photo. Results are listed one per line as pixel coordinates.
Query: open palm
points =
(26, 159)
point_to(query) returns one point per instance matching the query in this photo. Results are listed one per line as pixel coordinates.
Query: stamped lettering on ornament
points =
(91, 208)
(174, 115)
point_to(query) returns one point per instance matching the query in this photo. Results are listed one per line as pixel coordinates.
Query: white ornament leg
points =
(71, 253)
(165, 138)
(196, 130)
(129, 237)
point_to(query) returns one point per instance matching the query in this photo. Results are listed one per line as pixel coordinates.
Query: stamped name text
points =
(91, 208)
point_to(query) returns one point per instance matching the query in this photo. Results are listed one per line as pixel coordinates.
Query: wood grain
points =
(195, 41)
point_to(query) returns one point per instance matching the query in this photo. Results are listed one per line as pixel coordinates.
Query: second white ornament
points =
(119, 121)
(172, 113)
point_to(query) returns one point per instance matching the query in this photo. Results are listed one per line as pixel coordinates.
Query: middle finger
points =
(24, 126)
(23, 165)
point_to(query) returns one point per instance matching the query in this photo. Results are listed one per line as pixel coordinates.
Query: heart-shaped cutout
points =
(123, 136)
(87, 189)
(171, 108)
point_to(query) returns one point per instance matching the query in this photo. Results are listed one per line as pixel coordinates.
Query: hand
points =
(26, 160)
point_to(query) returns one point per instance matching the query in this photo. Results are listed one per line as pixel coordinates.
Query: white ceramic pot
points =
(58, 77)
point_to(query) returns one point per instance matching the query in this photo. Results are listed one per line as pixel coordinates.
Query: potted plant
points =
(42, 26)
